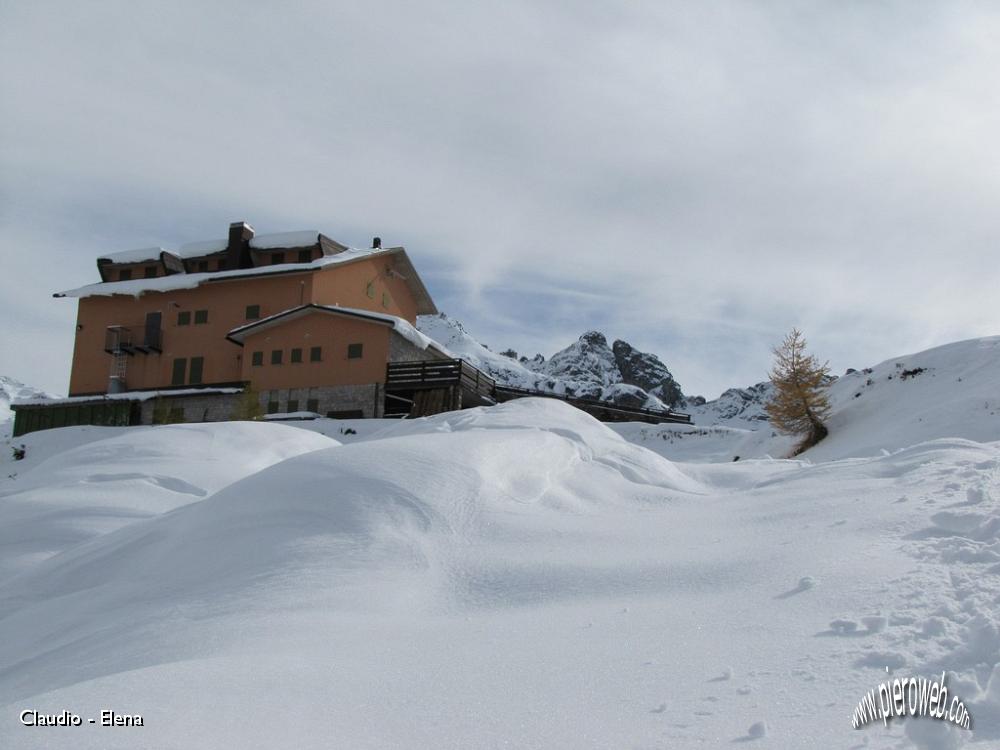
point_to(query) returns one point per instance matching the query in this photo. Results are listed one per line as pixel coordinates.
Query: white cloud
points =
(694, 177)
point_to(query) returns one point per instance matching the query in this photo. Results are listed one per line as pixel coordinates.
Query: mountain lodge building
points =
(305, 322)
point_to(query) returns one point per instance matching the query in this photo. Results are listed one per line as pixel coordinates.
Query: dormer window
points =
(125, 274)
(149, 272)
(277, 258)
(305, 256)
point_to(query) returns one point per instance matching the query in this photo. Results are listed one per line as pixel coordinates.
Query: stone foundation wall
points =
(366, 401)
(213, 407)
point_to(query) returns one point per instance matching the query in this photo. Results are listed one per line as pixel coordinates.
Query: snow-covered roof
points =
(137, 287)
(401, 326)
(126, 396)
(203, 247)
(303, 238)
(285, 239)
(140, 255)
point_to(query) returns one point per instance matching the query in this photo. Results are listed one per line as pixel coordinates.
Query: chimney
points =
(376, 243)
(238, 248)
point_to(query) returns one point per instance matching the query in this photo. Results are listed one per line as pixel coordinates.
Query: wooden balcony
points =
(468, 386)
(441, 373)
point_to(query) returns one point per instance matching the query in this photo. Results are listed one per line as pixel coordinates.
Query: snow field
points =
(517, 576)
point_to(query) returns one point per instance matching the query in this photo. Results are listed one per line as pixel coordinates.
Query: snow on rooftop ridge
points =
(303, 238)
(202, 247)
(134, 256)
(138, 287)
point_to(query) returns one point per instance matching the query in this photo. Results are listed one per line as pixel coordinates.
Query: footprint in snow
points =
(805, 583)
(756, 731)
(659, 709)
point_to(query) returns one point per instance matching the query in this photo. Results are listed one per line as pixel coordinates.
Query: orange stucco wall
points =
(226, 302)
(348, 287)
(332, 334)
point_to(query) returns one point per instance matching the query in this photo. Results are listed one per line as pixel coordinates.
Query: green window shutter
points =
(316, 354)
(276, 357)
(258, 359)
(200, 316)
(253, 312)
(355, 351)
(180, 369)
(184, 318)
(197, 365)
(296, 356)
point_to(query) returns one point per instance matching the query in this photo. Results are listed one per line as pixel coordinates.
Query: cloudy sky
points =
(693, 177)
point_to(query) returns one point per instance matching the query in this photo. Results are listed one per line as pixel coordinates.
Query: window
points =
(200, 316)
(272, 407)
(296, 356)
(125, 274)
(293, 405)
(316, 354)
(312, 405)
(202, 266)
(197, 365)
(184, 318)
(277, 258)
(385, 299)
(149, 272)
(253, 312)
(180, 368)
(354, 351)
(257, 359)
(305, 256)
(370, 290)
(276, 357)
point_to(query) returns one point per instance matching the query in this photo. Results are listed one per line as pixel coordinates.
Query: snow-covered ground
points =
(949, 391)
(517, 576)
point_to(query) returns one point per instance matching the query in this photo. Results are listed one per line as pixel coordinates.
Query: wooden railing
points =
(414, 376)
(402, 376)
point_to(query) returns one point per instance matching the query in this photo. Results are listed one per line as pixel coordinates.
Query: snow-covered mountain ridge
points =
(588, 368)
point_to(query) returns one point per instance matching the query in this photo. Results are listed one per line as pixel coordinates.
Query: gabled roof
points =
(402, 327)
(138, 287)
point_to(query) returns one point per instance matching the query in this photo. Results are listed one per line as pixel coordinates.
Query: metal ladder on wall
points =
(120, 339)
